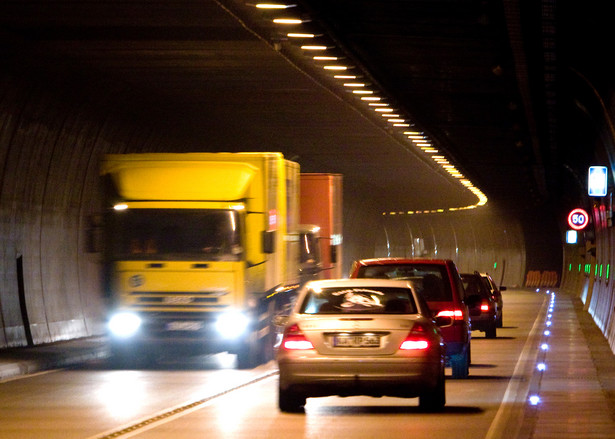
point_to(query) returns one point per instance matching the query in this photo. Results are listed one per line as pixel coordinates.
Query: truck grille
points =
(212, 299)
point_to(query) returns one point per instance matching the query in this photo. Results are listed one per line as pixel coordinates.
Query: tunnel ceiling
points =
(493, 86)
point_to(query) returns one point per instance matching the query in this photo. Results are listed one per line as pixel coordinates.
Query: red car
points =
(439, 282)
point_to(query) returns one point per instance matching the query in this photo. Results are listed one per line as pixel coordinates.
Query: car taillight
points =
(484, 307)
(416, 340)
(295, 340)
(456, 314)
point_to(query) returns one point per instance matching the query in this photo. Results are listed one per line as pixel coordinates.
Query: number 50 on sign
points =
(578, 219)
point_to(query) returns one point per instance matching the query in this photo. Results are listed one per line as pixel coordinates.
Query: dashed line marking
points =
(165, 416)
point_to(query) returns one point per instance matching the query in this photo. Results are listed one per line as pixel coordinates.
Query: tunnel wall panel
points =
(476, 240)
(50, 148)
(588, 271)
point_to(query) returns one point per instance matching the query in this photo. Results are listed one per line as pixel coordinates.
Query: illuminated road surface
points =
(213, 400)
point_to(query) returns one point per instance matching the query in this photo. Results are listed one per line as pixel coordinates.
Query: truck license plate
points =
(356, 341)
(184, 326)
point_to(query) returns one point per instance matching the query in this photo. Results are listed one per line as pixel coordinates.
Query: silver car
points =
(361, 337)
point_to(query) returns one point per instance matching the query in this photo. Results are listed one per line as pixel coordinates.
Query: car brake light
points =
(484, 307)
(415, 339)
(295, 340)
(456, 314)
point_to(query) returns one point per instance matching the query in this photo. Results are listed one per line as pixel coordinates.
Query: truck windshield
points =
(176, 234)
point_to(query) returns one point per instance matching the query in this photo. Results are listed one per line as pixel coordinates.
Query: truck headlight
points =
(124, 324)
(232, 325)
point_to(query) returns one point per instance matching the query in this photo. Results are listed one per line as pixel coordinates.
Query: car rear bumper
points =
(483, 323)
(322, 377)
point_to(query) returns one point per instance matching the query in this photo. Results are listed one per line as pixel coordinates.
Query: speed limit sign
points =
(578, 219)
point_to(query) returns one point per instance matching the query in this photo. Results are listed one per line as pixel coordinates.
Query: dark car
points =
(497, 293)
(481, 303)
(439, 282)
(371, 337)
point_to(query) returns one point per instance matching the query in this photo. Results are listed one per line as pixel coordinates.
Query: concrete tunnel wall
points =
(52, 136)
(481, 239)
(50, 144)
(588, 269)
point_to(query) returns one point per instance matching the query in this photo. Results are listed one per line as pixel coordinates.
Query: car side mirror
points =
(268, 241)
(502, 288)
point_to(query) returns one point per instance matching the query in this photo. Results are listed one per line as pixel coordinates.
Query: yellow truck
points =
(194, 243)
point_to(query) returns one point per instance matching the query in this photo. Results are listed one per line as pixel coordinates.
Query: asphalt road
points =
(209, 398)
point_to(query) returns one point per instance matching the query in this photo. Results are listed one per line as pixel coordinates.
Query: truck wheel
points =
(268, 339)
(248, 353)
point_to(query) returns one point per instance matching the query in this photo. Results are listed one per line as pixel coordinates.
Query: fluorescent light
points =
(273, 6)
(300, 35)
(287, 21)
(307, 47)
(335, 68)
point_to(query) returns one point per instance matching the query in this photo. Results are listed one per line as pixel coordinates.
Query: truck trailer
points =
(321, 205)
(193, 245)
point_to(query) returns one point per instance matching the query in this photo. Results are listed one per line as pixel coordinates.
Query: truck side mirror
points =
(334, 254)
(269, 241)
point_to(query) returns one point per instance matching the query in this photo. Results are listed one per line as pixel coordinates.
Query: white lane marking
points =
(514, 401)
(169, 414)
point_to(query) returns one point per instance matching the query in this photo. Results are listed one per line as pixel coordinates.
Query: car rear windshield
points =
(475, 284)
(358, 300)
(431, 280)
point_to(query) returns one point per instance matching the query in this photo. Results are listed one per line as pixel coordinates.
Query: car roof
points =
(361, 282)
(386, 261)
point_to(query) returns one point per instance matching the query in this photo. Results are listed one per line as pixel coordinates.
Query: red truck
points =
(321, 205)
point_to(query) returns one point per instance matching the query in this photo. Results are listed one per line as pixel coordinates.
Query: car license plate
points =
(356, 341)
(184, 326)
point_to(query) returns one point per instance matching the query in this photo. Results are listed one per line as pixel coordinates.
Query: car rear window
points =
(358, 300)
(474, 284)
(429, 279)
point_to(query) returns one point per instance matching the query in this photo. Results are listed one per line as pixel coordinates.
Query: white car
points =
(361, 337)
